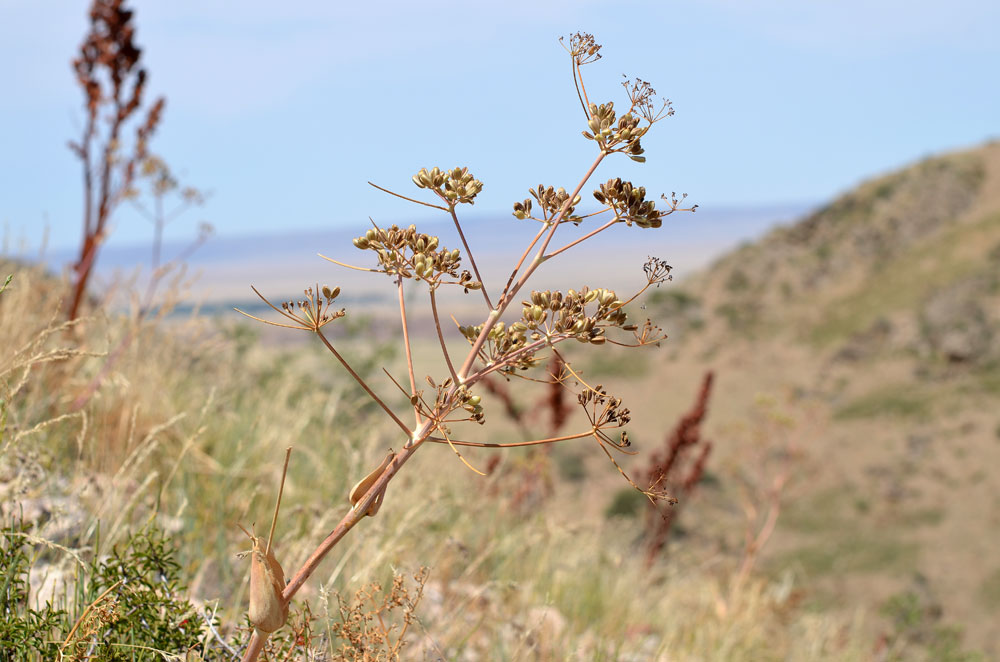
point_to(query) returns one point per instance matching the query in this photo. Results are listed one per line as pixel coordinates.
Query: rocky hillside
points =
(907, 261)
(875, 322)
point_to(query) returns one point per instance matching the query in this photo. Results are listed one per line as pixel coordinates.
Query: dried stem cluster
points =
(109, 72)
(547, 318)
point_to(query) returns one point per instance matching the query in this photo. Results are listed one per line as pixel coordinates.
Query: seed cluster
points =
(583, 48)
(454, 187)
(606, 411)
(566, 314)
(657, 271)
(629, 203)
(552, 200)
(411, 254)
(625, 137)
(315, 310)
(550, 314)
(641, 94)
(448, 400)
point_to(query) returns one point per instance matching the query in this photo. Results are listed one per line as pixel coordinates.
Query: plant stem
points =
(440, 335)
(583, 238)
(472, 260)
(362, 383)
(406, 343)
(535, 263)
(348, 522)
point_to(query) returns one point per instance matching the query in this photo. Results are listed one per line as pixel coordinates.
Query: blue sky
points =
(285, 113)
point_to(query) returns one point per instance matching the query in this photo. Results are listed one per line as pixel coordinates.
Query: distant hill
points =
(906, 261)
(872, 325)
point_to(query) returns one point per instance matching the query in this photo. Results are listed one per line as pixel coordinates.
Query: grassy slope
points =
(896, 491)
(188, 432)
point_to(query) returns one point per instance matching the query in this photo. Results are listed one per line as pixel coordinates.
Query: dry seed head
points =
(456, 186)
(583, 48)
(657, 271)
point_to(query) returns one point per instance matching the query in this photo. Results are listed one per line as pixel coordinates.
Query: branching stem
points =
(440, 335)
(472, 260)
(362, 383)
(535, 263)
(403, 197)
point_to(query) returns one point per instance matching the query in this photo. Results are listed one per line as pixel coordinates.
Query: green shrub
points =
(129, 605)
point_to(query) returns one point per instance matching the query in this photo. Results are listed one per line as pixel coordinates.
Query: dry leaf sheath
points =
(362, 486)
(268, 611)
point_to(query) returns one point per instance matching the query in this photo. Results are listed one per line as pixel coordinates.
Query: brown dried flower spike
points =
(268, 609)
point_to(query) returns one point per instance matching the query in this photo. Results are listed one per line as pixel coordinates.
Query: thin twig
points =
(472, 260)
(583, 238)
(406, 343)
(350, 266)
(512, 444)
(362, 383)
(440, 335)
(520, 262)
(441, 429)
(425, 204)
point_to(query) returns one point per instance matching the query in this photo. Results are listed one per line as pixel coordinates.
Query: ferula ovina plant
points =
(502, 342)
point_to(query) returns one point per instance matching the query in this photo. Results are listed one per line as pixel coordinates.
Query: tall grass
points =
(180, 439)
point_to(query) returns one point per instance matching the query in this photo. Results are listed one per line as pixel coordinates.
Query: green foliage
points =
(741, 316)
(571, 465)
(989, 591)
(674, 299)
(625, 503)
(738, 281)
(893, 401)
(861, 552)
(23, 630)
(127, 606)
(918, 633)
(149, 607)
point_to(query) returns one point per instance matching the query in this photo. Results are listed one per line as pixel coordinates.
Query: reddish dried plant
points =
(679, 466)
(109, 72)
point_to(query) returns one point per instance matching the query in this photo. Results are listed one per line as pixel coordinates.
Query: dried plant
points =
(512, 348)
(679, 467)
(373, 625)
(109, 71)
